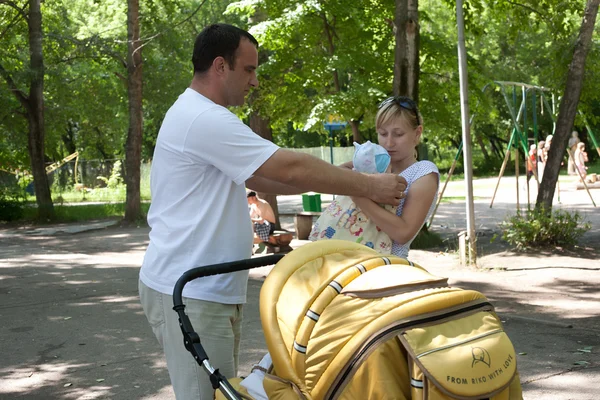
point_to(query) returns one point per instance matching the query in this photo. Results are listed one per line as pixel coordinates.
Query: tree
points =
(33, 103)
(133, 147)
(568, 106)
(325, 58)
(406, 61)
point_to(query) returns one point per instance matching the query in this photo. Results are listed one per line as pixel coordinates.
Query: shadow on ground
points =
(73, 327)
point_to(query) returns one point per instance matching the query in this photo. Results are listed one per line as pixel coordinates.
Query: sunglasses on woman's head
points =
(404, 102)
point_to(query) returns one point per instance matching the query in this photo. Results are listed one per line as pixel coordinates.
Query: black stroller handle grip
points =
(223, 268)
(191, 339)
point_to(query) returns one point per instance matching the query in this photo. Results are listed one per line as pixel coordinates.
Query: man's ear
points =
(219, 64)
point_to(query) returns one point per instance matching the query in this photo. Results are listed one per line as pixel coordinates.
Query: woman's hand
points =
(403, 228)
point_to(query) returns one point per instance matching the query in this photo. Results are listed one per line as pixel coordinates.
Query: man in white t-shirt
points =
(203, 160)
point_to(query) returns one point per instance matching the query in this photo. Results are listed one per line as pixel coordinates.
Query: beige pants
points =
(219, 326)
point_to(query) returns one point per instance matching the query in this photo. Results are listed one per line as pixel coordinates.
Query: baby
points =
(343, 220)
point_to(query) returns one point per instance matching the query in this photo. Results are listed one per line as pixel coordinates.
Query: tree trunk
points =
(68, 138)
(481, 144)
(133, 147)
(262, 128)
(35, 113)
(568, 107)
(356, 136)
(406, 61)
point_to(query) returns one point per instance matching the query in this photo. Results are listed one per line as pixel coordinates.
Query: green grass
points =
(594, 168)
(92, 195)
(83, 212)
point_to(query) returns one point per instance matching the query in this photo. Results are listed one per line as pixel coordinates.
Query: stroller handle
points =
(191, 339)
(223, 268)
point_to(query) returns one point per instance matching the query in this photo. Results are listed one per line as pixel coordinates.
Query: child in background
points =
(343, 220)
(531, 161)
(580, 159)
(541, 161)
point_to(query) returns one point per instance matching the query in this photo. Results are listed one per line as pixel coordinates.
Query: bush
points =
(538, 228)
(115, 180)
(12, 203)
(426, 239)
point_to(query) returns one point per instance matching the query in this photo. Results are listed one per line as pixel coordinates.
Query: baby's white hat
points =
(370, 158)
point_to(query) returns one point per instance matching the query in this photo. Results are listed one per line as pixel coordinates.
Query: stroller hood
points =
(341, 321)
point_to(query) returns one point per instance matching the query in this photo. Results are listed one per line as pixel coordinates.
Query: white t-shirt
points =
(199, 213)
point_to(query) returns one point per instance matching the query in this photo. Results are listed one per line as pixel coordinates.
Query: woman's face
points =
(399, 139)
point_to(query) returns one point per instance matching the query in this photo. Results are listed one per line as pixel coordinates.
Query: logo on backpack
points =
(480, 355)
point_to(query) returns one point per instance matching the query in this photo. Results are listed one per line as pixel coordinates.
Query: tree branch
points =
(94, 42)
(12, 86)
(514, 3)
(189, 17)
(20, 10)
(121, 76)
(16, 19)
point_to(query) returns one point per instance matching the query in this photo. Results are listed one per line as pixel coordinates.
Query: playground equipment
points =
(518, 136)
(54, 166)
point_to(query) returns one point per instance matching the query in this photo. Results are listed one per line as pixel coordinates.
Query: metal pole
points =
(504, 163)
(466, 131)
(330, 129)
(517, 176)
(446, 183)
(581, 177)
(591, 133)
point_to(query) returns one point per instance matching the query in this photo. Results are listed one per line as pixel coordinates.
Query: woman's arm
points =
(403, 228)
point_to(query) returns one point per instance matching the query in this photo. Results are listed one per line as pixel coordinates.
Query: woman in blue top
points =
(399, 127)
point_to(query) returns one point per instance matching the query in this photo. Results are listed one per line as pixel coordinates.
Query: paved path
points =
(72, 326)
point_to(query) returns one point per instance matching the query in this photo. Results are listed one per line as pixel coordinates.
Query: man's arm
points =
(264, 185)
(308, 173)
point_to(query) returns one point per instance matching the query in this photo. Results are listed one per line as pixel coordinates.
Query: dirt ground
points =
(73, 327)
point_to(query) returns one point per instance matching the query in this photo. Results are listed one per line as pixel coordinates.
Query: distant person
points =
(531, 161)
(204, 159)
(580, 159)
(261, 215)
(548, 142)
(573, 141)
(541, 159)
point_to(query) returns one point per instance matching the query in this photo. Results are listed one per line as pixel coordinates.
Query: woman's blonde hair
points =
(398, 107)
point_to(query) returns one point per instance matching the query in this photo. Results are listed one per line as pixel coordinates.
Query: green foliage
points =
(426, 239)
(85, 89)
(538, 228)
(115, 180)
(73, 213)
(12, 202)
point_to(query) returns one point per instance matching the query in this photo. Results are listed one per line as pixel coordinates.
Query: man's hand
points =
(386, 188)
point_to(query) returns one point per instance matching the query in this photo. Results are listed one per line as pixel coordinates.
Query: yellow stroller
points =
(343, 322)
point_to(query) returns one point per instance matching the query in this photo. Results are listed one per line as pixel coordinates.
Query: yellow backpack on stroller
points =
(343, 322)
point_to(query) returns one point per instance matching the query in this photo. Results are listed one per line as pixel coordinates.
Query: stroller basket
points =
(191, 339)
